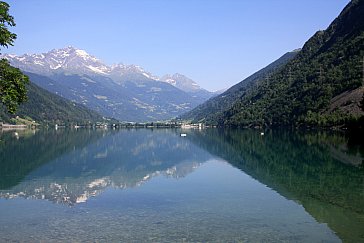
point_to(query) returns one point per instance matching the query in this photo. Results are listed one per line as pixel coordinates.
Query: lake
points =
(152, 185)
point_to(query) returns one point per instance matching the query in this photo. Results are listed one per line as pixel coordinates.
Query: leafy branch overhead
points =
(12, 80)
(6, 37)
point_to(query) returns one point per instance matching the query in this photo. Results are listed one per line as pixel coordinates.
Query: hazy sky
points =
(216, 43)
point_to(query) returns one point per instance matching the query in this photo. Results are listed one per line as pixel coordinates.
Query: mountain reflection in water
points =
(321, 171)
(72, 166)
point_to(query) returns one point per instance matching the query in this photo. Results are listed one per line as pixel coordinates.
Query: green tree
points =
(12, 80)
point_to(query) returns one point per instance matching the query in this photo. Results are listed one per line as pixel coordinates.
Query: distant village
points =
(25, 124)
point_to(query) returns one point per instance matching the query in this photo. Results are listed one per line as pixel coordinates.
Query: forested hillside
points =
(322, 85)
(212, 109)
(45, 107)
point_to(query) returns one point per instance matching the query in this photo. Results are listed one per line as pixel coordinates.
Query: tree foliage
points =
(12, 86)
(6, 37)
(12, 80)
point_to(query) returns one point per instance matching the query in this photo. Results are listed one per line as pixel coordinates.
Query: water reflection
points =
(69, 167)
(30, 149)
(320, 170)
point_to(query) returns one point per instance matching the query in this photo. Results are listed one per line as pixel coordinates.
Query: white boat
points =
(183, 134)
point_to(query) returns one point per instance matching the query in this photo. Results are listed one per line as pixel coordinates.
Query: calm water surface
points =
(155, 186)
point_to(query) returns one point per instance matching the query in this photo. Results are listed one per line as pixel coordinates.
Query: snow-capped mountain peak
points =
(122, 91)
(72, 60)
(182, 82)
(75, 61)
(71, 53)
(119, 70)
(69, 59)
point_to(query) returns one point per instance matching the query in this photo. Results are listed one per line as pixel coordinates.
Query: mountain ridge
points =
(78, 61)
(124, 92)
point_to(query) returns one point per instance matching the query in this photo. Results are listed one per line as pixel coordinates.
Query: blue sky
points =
(216, 43)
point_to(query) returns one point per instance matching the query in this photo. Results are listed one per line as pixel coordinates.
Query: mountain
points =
(210, 111)
(70, 60)
(130, 101)
(45, 107)
(321, 86)
(124, 92)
